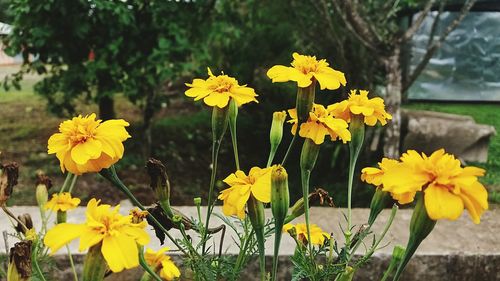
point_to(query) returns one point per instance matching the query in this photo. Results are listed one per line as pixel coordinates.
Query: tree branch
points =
(344, 15)
(437, 44)
(435, 23)
(418, 22)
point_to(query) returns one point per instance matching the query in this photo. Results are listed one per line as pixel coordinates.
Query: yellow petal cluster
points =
(62, 202)
(375, 176)
(320, 124)
(217, 90)
(318, 236)
(159, 261)
(358, 103)
(305, 70)
(448, 188)
(104, 225)
(85, 144)
(257, 183)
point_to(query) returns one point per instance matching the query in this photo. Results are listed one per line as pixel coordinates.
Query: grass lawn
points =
(484, 114)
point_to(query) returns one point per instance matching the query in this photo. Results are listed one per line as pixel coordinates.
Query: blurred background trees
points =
(93, 51)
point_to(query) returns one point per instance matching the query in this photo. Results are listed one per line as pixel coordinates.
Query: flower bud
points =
(309, 155)
(42, 195)
(276, 133)
(197, 201)
(94, 266)
(160, 183)
(347, 275)
(420, 227)
(319, 195)
(19, 268)
(220, 120)
(8, 179)
(379, 201)
(26, 220)
(305, 100)
(280, 196)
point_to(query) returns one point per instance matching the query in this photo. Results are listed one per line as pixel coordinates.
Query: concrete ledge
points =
(455, 250)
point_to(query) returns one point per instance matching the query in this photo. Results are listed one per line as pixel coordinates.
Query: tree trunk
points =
(148, 114)
(392, 134)
(106, 108)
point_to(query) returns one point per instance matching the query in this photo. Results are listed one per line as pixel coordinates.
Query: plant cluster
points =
(441, 187)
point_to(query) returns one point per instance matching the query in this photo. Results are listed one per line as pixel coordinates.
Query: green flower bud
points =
(420, 227)
(19, 268)
(8, 179)
(197, 201)
(305, 100)
(379, 201)
(61, 217)
(94, 266)
(309, 155)
(258, 220)
(347, 275)
(280, 196)
(276, 133)
(42, 195)
(220, 120)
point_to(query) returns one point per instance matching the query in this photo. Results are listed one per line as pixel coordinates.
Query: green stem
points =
(72, 183)
(243, 250)
(233, 114)
(35, 263)
(357, 135)
(278, 232)
(110, 174)
(290, 147)
(71, 262)
(215, 154)
(306, 174)
(257, 218)
(145, 265)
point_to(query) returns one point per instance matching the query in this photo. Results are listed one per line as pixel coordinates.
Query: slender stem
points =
(145, 265)
(70, 257)
(382, 235)
(305, 191)
(72, 183)
(10, 214)
(215, 154)
(243, 250)
(389, 270)
(278, 231)
(234, 140)
(35, 263)
(290, 146)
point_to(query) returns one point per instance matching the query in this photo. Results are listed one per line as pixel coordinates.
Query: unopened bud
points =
(19, 268)
(197, 201)
(280, 196)
(42, 195)
(379, 201)
(347, 275)
(309, 155)
(26, 220)
(256, 213)
(8, 179)
(276, 133)
(159, 178)
(398, 253)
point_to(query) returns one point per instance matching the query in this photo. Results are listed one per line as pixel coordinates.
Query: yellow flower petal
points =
(442, 204)
(61, 235)
(120, 252)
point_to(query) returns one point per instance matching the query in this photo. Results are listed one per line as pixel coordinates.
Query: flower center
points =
(306, 64)
(221, 84)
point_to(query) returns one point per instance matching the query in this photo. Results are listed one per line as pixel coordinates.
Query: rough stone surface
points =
(455, 250)
(427, 131)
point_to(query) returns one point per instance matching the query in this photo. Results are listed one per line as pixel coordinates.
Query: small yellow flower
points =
(160, 261)
(138, 215)
(85, 144)
(31, 234)
(116, 233)
(375, 176)
(320, 124)
(62, 202)
(318, 236)
(448, 188)
(373, 109)
(305, 70)
(257, 183)
(217, 90)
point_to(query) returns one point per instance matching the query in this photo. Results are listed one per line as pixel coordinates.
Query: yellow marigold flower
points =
(257, 183)
(217, 90)
(85, 144)
(448, 188)
(318, 236)
(373, 109)
(62, 202)
(375, 176)
(116, 233)
(305, 70)
(320, 124)
(160, 261)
